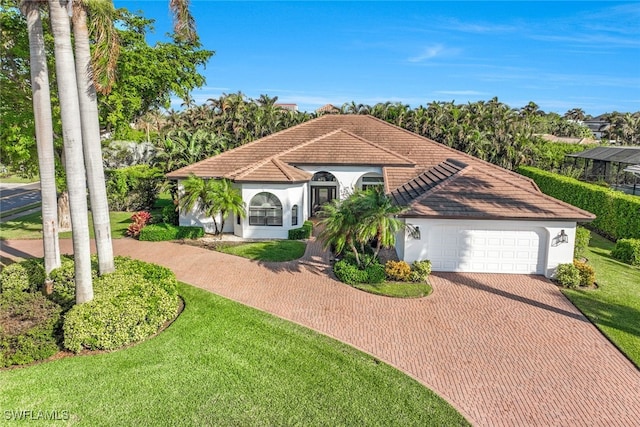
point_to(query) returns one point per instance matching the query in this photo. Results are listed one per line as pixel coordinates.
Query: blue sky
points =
(561, 55)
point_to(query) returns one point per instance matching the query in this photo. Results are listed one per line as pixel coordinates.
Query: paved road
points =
(505, 350)
(14, 196)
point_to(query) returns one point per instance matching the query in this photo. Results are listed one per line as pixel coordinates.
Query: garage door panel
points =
(453, 248)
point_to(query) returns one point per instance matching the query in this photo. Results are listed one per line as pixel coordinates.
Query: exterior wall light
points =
(414, 232)
(562, 237)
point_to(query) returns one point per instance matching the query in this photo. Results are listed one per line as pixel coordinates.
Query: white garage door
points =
(453, 248)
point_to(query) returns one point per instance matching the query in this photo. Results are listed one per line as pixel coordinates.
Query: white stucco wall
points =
(550, 254)
(196, 218)
(289, 195)
(347, 176)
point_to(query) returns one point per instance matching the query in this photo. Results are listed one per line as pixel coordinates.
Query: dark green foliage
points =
(628, 251)
(349, 273)
(64, 282)
(163, 232)
(583, 236)
(618, 214)
(133, 188)
(587, 273)
(170, 215)
(130, 305)
(568, 275)
(303, 232)
(29, 323)
(26, 276)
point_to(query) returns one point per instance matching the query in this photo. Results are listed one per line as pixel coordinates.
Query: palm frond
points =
(184, 25)
(106, 44)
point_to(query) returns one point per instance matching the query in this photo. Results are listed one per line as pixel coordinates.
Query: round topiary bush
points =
(568, 275)
(129, 305)
(25, 276)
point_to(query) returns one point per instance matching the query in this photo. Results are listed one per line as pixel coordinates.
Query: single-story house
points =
(465, 214)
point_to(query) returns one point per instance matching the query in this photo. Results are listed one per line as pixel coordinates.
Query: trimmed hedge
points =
(303, 232)
(129, 305)
(568, 275)
(583, 236)
(628, 251)
(350, 274)
(162, 232)
(617, 214)
(25, 276)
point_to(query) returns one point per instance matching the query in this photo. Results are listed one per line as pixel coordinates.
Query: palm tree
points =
(378, 219)
(340, 226)
(228, 200)
(211, 197)
(90, 122)
(72, 137)
(44, 134)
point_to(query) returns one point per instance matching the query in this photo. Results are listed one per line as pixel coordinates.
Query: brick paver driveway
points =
(503, 349)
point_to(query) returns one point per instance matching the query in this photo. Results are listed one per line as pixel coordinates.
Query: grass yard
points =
(614, 307)
(225, 364)
(17, 179)
(30, 226)
(396, 289)
(273, 251)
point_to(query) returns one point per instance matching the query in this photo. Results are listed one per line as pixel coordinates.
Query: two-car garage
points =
(515, 247)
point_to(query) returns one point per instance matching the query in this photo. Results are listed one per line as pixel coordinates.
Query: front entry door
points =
(320, 196)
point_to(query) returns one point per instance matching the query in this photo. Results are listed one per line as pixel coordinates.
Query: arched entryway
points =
(324, 188)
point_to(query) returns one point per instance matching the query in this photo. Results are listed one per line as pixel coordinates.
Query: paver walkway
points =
(505, 350)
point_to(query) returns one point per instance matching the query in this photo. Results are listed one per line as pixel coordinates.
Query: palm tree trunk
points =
(44, 135)
(72, 136)
(91, 142)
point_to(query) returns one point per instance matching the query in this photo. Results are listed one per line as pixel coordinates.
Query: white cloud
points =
(433, 51)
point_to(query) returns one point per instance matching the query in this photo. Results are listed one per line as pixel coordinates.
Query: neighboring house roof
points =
(629, 155)
(429, 178)
(328, 108)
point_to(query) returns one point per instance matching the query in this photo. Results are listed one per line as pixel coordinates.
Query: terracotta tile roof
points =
(328, 108)
(478, 190)
(407, 193)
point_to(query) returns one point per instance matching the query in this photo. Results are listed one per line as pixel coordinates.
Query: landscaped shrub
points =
(25, 276)
(133, 188)
(303, 232)
(420, 271)
(163, 232)
(349, 273)
(568, 275)
(64, 282)
(627, 250)
(29, 323)
(170, 215)
(583, 236)
(616, 212)
(139, 220)
(397, 270)
(129, 305)
(375, 273)
(587, 273)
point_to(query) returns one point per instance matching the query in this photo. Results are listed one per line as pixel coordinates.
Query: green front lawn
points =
(273, 251)
(396, 289)
(221, 363)
(614, 307)
(30, 226)
(17, 179)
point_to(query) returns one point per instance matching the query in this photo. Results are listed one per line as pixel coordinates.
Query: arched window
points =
(265, 209)
(294, 215)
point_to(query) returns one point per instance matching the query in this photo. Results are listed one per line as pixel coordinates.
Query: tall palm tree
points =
(72, 137)
(89, 118)
(44, 134)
